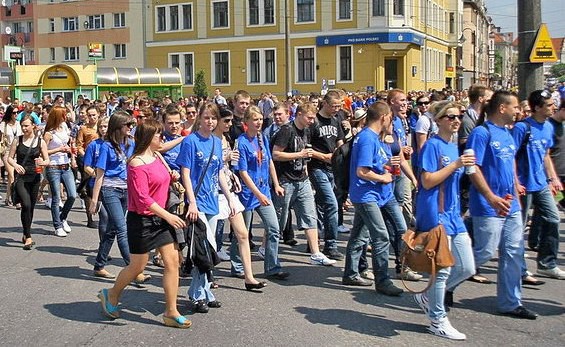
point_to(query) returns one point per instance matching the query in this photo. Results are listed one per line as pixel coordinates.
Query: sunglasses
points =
(129, 124)
(422, 103)
(452, 117)
(227, 120)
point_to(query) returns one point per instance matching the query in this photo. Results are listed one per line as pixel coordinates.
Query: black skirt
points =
(147, 232)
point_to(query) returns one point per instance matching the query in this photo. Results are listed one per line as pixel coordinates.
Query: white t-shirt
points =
(424, 123)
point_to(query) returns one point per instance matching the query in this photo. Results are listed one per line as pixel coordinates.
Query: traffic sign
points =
(543, 50)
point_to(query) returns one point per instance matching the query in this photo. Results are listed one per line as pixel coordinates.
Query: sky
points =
(505, 15)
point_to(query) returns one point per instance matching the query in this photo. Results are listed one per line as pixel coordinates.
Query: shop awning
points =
(137, 76)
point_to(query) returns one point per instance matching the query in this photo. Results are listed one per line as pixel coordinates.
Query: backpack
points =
(341, 160)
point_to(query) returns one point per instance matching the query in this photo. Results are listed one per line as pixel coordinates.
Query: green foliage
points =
(497, 63)
(200, 88)
(558, 70)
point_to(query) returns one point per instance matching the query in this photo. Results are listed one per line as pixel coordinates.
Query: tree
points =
(200, 88)
(558, 70)
(498, 63)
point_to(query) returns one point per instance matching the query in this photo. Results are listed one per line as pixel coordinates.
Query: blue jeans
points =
(403, 194)
(326, 205)
(368, 221)
(56, 177)
(299, 195)
(220, 234)
(504, 233)
(115, 202)
(548, 220)
(449, 278)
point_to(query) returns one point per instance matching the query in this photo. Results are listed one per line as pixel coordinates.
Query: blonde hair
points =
(307, 107)
(439, 109)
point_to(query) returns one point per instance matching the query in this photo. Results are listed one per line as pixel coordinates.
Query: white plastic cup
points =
(469, 170)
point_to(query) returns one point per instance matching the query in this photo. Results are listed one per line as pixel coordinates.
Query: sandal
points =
(479, 279)
(109, 310)
(157, 261)
(178, 322)
(532, 281)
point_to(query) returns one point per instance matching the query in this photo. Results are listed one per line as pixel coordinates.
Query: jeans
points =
(299, 195)
(326, 205)
(220, 234)
(403, 194)
(396, 226)
(548, 225)
(115, 202)
(368, 220)
(27, 193)
(271, 261)
(504, 233)
(56, 177)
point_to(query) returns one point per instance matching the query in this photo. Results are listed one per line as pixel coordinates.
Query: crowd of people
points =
(476, 162)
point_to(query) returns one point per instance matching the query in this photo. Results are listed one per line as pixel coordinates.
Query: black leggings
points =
(27, 195)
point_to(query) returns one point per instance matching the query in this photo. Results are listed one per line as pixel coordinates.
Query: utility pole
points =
(530, 75)
(287, 57)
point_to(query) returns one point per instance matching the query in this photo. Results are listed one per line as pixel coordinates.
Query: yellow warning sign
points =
(543, 50)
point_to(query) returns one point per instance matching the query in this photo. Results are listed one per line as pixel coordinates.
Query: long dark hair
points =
(144, 135)
(114, 134)
(8, 114)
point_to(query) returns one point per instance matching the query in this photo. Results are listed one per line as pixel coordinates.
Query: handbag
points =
(175, 200)
(427, 251)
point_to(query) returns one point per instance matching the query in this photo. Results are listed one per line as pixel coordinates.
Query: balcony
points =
(18, 11)
(18, 39)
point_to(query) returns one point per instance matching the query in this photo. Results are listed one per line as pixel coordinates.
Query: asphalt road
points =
(49, 299)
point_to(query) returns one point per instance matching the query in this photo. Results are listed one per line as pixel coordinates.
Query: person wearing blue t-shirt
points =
(494, 207)
(371, 192)
(537, 175)
(441, 169)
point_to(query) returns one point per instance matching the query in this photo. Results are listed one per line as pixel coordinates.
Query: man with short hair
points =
(479, 95)
(191, 113)
(494, 206)
(218, 98)
(241, 102)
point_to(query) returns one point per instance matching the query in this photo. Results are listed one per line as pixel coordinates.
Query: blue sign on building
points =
(392, 37)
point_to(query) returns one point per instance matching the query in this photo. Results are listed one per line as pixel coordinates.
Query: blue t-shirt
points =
(494, 153)
(171, 155)
(436, 154)
(531, 168)
(399, 131)
(114, 164)
(91, 155)
(194, 154)
(369, 151)
(258, 171)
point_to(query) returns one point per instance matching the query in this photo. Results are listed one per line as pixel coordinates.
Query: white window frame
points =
(373, 8)
(338, 63)
(262, 66)
(96, 22)
(182, 64)
(67, 23)
(337, 19)
(67, 53)
(121, 20)
(51, 25)
(157, 8)
(120, 48)
(180, 18)
(261, 15)
(228, 26)
(296, 80)
(296, 13)
(213, 68)
(52, 54)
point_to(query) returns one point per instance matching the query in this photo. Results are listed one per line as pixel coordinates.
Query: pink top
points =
(147, 184)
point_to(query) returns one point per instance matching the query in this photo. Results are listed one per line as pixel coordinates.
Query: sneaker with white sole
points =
(261, 252)
(556, 273)
(409, 275)
(422, 301)
(342, 229)
(321, 259)
(368, 275)
(443, 328)
(223, 255)
(60, 232)
(66, 226)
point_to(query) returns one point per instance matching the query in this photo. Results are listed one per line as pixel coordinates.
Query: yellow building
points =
(262, 45)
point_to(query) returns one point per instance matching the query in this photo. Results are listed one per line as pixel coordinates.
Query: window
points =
(51, 25)
(261, 66)
(51, 54)
(71, 53)
(345, 63)
(185, 63)
(378, 8)
(187, 17)
(221, 69)
(398, 7)
(306, 64)
(261, 12)
(344, 10)
(18, 27)
(119, 20)
(174, 17)
(451, 23)
(304, 11)
(96, 22)
(29, 27)
(161, 20)
(120, 51)
(70, 24)
(220, 14)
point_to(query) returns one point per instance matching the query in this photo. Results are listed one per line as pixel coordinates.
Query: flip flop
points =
(178, 322)
(479, 279)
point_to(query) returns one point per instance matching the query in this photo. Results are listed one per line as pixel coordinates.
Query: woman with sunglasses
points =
(441, 169)
(10, 129)
(110, 187)
(57, 137)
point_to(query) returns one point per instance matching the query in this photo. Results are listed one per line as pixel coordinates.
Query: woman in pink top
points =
(149, 225)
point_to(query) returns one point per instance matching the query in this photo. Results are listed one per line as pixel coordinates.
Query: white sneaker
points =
(422, 301)
(60, 232)
(66, 226)
(368, 275)
(443, 328)
(409, 275)
(223, 255)
(342, 229)
(556, 273)
(261, 252)
(321, 259)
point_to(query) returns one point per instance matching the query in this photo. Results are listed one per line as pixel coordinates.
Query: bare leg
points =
(312, 237)
(242, 235)
(126, 276)
(169, 254)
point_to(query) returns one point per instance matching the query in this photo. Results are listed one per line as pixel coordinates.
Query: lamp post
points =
(462, 40)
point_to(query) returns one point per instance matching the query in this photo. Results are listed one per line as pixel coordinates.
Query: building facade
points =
(505, 61)
(302, 46)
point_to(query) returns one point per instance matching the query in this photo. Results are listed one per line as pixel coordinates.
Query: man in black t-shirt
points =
(327, 135)
(291, 157)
